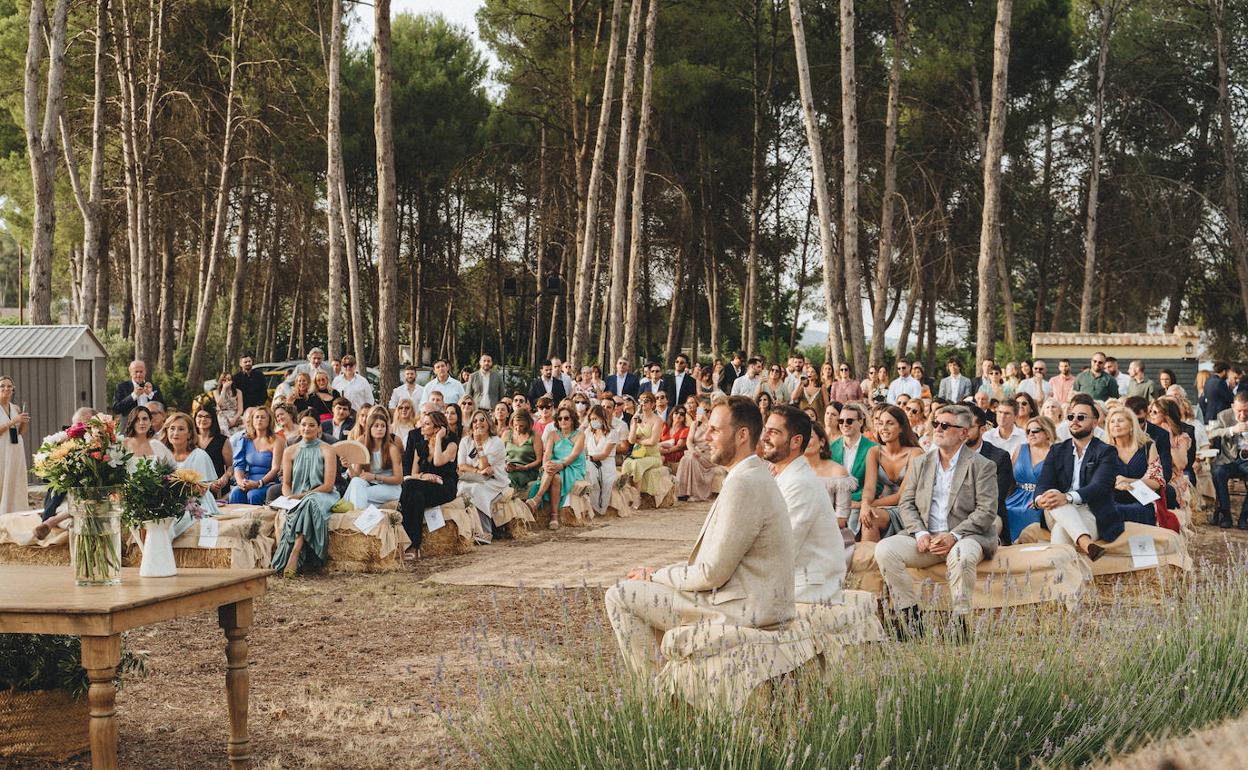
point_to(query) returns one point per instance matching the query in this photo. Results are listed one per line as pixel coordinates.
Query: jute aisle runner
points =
(596, 558)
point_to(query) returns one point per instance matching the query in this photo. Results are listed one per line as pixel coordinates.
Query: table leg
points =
(100, 656)
(235, 619)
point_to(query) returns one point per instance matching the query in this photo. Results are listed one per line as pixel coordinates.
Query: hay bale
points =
(658, 488)
(444, 541)
(1144, 587)
(350, 550)
(56, 555)
(625, 501)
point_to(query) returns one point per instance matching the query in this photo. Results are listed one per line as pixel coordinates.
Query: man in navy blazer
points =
(136, 391)
(680, 385)
(1076, 487)
(623, 382)
(1217, 395)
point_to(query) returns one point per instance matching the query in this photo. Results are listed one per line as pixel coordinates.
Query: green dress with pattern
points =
(310, 517)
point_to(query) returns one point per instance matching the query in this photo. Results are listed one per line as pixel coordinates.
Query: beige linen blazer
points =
(742, 562)
(819, 550)
(973, 497)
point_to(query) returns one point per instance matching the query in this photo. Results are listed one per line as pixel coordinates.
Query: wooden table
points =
(44, 600)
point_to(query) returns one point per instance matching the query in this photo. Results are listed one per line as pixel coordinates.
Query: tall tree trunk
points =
(749, 292)
(628, 347)
(849, 121)
(884, 264)
(168, 273)
(233, 326)
(585, 271)
(387, 207)
(1046, 194)
(985, 326)
(619, 270)
(41, 145)
(801, 272)
(208, 298)
(1230, 177)
(819, 177)
(103, 280)
(1094, 171)
(671, 345)
(333, 207)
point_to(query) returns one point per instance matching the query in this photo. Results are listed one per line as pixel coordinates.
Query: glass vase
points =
(95, 535)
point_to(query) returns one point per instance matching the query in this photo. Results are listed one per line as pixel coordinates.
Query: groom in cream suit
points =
(949, 508)
(740, 571)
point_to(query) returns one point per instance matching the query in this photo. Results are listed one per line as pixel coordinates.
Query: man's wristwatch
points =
(1070, 498)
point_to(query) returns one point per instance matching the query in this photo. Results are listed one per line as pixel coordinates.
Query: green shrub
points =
(1032, 689)
(30, 662)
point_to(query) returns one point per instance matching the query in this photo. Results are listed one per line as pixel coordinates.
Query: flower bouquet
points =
(87, 462)
(155, 494)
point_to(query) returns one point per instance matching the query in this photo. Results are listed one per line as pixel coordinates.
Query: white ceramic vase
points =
(157, 549)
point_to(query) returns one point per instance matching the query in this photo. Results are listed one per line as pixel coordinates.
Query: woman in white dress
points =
(180, 434)
(141, 443)
(600, 441)
(13, 426)
(405, 420)
(482, 467)
(380, 481)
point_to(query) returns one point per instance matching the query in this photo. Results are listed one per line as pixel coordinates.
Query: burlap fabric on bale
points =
(456, 536)
(625, 501)
(658, 488)
(511, 515)
(855, 622)
(1017, 575)
(350, 550)
(18, 544)
(244, 541)
(577, 513)
(45, 724)
(1117, 571)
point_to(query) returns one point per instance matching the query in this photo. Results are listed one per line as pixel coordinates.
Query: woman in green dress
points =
(565, 450)
(524, 452)
(307, 476)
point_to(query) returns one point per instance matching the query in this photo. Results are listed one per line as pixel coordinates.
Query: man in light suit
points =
(955, 388)
(740, 571)
(623, 382)
(819, 561)
(949, 508)
(486, 385)
(1230, 437)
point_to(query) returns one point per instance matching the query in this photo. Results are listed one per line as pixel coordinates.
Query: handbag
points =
(1165, 517)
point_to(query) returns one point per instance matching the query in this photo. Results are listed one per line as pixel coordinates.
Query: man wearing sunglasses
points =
(1036, 385)
(904, 384)
(850, 450)
(949, 508)
(1076, 487)
(1095, 381)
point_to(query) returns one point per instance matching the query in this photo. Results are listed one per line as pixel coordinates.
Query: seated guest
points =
(886, 467)
(1024, 409)
(501, 414)
(140, 439)
(836, 480)
(740, 571)
(308, 472)
(302, 397)
(430, 475)
(524, 452)
(564, 466)
(258, 459)
(696, 473)
(157, 411)
(819, 552)
(454, 423)
(52, 499)
(405, 419)
(1137, 459)
(644, 434)
(1001, 458)
(765, 402)
(547, 385)
(338, 426)
(1076, 487)
(229, 403)
(324, 394)
(184, 454)
(1165, 414)
(482, 467)
(675, 437)
(467, 407)
(850, 447)
(378, 482)
(949, 508)
(1229, 435)
(1020, 510)
(209, 438)
(1006, 436)
(1035, 385)
(287, 421)
(662, 407)
(831, 418)
(916, 415)
(600, 440)
(544, 417)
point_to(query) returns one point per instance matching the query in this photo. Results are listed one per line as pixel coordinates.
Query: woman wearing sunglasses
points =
(1029, 458)
(565, 464)
(482, 467)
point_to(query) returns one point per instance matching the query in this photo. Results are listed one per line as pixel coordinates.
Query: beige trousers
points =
(641, 611)
(895, 553)
(1067, 523)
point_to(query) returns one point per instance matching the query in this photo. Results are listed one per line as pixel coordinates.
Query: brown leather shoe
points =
(1095, 551)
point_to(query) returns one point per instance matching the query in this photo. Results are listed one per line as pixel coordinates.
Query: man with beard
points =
(819, 561)
(1076, 487)
(740, 571)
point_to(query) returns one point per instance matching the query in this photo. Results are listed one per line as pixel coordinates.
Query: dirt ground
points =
(347, 671)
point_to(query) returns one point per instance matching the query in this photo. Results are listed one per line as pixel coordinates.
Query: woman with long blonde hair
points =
(258, 461)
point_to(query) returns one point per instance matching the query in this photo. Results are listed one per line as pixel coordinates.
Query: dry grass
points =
(1214, 748)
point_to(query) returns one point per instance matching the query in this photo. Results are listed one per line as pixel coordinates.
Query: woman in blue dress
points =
(1138, 460)
(258, 460)
(1028, 462)
(564, 466)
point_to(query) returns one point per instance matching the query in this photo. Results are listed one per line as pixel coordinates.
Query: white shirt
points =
(1015, 440)
(748, 386)
(416, 394)
(938, 514)
(1124, 381)
(819, 551)
(138, 395)
(1038, 392)
(679, 379)
(651, 386)
(567, 384)
(452, 390)
(356, 390)
(907, 385)
(619, 383)
(1074, 474)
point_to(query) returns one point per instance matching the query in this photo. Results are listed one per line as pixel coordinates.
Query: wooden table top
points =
(44, 599)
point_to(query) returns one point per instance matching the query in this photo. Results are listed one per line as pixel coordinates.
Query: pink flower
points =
(76, 430)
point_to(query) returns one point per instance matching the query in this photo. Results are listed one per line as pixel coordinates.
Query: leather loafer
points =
(1095, 551)
(1224, 521)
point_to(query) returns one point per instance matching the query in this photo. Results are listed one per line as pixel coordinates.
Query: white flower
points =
(56, 438)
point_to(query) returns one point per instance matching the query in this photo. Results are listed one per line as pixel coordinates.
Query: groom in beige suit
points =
(949, 508)
(740, 571)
